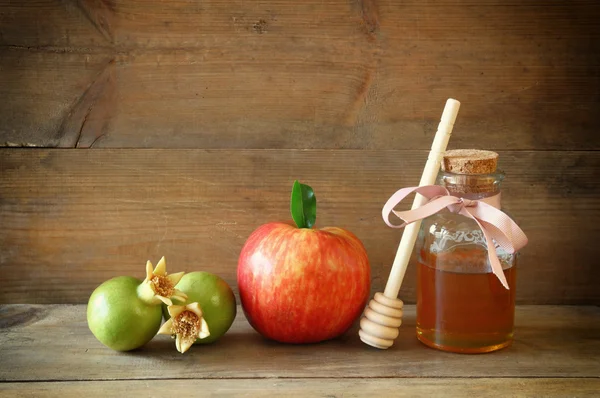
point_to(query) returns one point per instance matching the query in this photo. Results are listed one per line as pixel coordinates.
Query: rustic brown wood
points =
(53, 343)
(336, 74)
(89, 117)
(47, 97)
(101, 15)
(72, 219)
(48, 25)
(452, 387)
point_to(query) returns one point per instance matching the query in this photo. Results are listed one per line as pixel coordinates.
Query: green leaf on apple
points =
(303, 205)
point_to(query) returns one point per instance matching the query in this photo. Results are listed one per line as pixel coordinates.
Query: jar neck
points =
(471, 186)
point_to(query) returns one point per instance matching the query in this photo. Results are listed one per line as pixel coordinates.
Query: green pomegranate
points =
(124, 313)
(216, 301)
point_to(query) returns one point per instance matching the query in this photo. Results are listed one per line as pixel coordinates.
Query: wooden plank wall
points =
(200, 114)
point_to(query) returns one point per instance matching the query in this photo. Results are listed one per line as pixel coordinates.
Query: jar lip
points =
(497, 175)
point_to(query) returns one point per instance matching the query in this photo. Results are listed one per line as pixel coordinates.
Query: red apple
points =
(302, 285)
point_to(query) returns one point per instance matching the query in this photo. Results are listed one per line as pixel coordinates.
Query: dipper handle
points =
(379, 327)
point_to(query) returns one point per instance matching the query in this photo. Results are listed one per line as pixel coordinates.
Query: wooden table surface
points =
(47, 350)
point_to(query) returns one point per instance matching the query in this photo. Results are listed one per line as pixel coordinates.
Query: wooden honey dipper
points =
(383, 316)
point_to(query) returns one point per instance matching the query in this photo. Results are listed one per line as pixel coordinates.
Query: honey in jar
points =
(461, 305)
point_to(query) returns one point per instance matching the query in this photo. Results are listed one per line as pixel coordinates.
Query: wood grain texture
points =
(330, 388)
(53, 343)
(100, 13)
(48, 26)
(72, 219)
(88, 119)
(337, 74)
(48, 97)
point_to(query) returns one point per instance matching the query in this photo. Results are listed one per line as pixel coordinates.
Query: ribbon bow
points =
(495, 225)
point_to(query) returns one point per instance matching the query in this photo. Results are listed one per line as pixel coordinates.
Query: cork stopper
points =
(472, 173)
(470, 161)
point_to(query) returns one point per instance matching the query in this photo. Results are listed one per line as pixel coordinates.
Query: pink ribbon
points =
(495, 225)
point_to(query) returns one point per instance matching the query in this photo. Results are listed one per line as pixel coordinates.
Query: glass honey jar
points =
(461, 305)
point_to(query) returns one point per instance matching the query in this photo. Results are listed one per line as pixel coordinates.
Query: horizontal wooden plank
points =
(511, 64)
(450, 387)
(130, 24)
(216, 100)
(48, 100)
(53, 343)
(72, 219)
(334, 74)
(52, 25)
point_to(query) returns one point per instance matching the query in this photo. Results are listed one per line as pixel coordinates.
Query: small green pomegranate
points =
(215, 298)
(124, 313)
